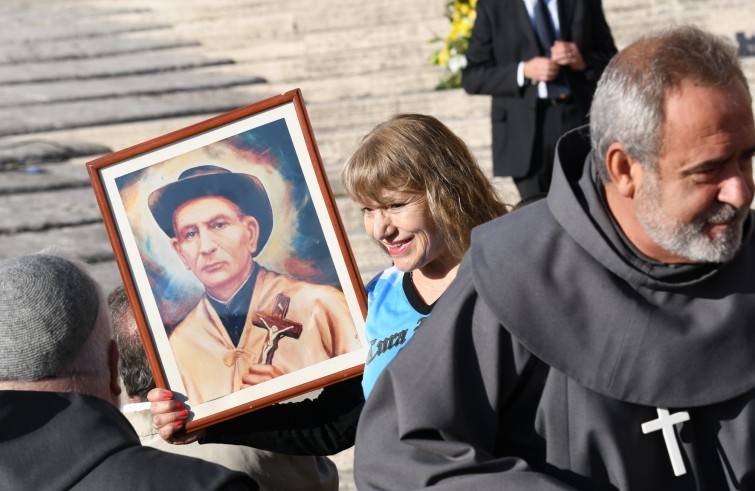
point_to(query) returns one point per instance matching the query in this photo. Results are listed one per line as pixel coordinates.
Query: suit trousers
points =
(554, 118)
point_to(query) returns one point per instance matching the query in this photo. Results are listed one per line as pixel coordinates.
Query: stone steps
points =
(15, 155)
(46, 210)
(41, 51)
(388, 82)
(312, 42)
(128, 86)
(88, 241)
(34, 178)
(64, 115)
(153, 62)
(354, 40)
(287, 18)
(632, 18)
(344, 63)
(114, 136)
(68, 25)
(367, 111)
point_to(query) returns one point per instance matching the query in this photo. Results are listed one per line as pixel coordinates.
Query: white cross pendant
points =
(666, 422)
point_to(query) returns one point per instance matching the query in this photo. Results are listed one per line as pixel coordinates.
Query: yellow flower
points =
(443, 56)
(464, 28)
(462, 15)
(453, 33)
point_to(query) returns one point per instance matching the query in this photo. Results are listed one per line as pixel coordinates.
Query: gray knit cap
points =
(48, 307)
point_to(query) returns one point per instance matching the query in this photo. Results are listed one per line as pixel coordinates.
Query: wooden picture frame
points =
(201, 184)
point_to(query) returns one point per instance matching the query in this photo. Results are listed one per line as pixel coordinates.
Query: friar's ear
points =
(624, 171)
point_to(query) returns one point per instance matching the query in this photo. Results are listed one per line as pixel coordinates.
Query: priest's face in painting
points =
(694, 203)
(216, 241)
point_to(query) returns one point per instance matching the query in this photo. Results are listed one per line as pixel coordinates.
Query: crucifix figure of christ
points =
(277, 326)
(665, 423)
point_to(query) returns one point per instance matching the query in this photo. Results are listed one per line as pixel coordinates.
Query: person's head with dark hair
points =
(55, 333)
(134, 368)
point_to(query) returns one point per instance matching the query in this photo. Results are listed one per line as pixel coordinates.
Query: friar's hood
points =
(573, 291)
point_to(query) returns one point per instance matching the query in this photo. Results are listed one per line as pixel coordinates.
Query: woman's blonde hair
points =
(419, 154)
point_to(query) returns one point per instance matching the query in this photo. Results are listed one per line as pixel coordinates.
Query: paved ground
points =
(81, 78)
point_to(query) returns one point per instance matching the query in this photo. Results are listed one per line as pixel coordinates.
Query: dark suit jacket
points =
(501, 38)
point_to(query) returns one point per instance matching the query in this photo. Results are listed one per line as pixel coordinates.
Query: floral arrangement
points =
(451, 56)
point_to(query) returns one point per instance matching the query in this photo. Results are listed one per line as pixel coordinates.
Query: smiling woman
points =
(421, 192)
(405, 227)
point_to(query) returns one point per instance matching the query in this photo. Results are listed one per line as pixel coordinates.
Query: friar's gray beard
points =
(689, 240)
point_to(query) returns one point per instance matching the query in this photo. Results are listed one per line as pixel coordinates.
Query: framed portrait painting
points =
(235, 260)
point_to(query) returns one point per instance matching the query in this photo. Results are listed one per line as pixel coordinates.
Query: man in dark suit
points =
(540, 60)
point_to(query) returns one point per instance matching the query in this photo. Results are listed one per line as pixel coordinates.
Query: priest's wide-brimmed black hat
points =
(245, 190)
